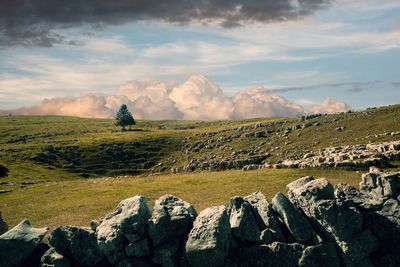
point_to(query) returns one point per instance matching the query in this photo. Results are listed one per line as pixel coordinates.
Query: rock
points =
(34, 258)
(19, 242)
(385, 226)
(208, 241)
(138, 249)
(336, 221)
(243, 223)
(265, 215)
(293, 219)
(266, 236)
(3, 225)
(172, 218)
(127, 223)
(310, 191)
(275, 254)
(166, 254)
(136, 262)
(76, 243)
(380, 185)
(320, 255)
(351, 195)
(54, 259)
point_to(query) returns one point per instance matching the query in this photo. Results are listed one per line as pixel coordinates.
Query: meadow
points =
(67, 170)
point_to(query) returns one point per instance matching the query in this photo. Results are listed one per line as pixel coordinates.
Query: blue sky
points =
(349, 51)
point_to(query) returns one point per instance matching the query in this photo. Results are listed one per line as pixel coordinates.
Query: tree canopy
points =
(124, 117)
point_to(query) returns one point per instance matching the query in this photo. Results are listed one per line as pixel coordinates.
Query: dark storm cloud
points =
(33, 22)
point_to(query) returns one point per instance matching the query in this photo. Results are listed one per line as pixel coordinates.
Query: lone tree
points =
(124, 118)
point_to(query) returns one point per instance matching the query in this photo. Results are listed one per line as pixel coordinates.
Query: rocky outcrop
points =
(169, 225)
(78, 244)
(357, 156)
(17, 244)
(316, 225)
(208, 241)
(126, 226)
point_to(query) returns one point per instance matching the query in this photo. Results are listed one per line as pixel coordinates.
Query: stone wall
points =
(316, 224)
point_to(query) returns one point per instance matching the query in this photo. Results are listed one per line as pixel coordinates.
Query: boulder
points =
(320, 255)
(19, 242)
(167, 254)
(265, 215)
(208, 241)
(334, 220)
(3, 225)
(310, 191)
(138, 249)
(243, 223)
(52, 258)
(127, 223)
(34, 258)
(171, 218)
(296, 223)
(76, 243)
(350, 195)
(275, 254)
(380, 185)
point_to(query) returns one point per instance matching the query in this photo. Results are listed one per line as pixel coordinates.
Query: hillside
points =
(53, 148)
(54, 162)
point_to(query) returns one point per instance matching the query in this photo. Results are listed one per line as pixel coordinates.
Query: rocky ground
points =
(356, 156)
(316, 225)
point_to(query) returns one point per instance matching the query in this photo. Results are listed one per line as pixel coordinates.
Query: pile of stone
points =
(359, 156)
(316, 225)
(215, 165)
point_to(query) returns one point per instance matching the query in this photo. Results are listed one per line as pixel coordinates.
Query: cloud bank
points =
(199, 98)
(330, 105)
(32, 23)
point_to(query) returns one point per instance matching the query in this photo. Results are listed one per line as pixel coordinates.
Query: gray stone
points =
(311, 191)
(320, 255)
(77, 243)
(275, 254)
(172, 218)
(265, 215)
(19, 242)
(127, 223)
(349, 194)
(380, 185)
(208, 241)
(52, 258)
(166, 254)
(296, 223)
(138, 249)
(266, 236)
(135, 262)
(3, 225)
(243, 223)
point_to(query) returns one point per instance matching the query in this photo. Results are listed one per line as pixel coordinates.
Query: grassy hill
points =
(53, 161)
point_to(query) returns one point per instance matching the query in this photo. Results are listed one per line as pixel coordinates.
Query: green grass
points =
(81, 148)
(79, 202)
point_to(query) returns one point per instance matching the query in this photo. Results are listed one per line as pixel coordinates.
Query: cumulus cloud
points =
(32, 23)
(330, 106)
(259, 102)
(199, 98)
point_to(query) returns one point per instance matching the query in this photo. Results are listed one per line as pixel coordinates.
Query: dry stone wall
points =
(316, 224)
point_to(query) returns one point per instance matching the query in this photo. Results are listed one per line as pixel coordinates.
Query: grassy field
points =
(69, 159)
(79, 202)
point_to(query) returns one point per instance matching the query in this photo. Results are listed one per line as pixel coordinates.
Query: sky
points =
(204, 59)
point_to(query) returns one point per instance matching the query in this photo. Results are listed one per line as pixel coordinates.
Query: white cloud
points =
(258, 102)
(330, 106)
(199, 98)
